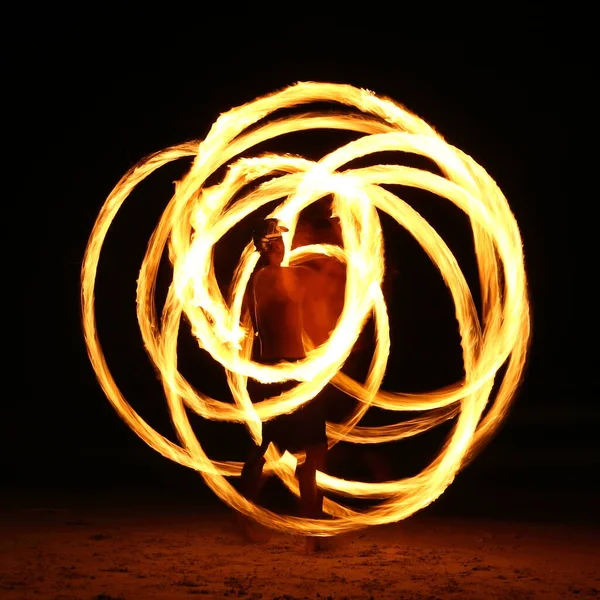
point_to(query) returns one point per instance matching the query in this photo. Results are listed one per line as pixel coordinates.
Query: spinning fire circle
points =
(198, 216)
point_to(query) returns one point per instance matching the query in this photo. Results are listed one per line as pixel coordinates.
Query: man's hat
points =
(270, 228)
(267, 230)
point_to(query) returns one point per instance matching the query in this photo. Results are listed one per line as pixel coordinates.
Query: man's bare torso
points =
(289, 302)
(278, 298)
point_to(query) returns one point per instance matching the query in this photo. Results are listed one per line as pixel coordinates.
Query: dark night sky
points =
(97, 113)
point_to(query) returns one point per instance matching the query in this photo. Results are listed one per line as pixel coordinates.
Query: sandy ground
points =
(124, 553)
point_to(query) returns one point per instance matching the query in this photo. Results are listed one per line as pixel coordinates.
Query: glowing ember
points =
(198, 216)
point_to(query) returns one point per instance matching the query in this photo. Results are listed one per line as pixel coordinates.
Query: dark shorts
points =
(298, 430)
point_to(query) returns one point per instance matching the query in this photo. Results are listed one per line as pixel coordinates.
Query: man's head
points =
(268, 241)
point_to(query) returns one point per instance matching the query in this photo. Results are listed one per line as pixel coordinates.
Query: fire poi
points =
(198, 215)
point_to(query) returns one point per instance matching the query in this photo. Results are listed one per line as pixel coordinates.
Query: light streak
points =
(198, 216)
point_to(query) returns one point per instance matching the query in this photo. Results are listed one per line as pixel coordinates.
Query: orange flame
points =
(198, 216)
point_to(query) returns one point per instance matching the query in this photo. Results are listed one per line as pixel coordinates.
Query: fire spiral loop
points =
(199, 215)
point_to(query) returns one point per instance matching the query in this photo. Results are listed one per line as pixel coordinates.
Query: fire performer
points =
(284, 302)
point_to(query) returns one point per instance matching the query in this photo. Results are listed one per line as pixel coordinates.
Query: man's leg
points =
(251, 477)
(311, 498)
(251, 482)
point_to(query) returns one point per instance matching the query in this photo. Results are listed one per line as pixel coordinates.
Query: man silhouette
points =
(285, 302)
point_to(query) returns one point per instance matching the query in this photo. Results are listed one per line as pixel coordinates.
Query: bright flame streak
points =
(197, 217)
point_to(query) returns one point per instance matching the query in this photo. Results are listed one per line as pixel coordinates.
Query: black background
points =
(87, 109)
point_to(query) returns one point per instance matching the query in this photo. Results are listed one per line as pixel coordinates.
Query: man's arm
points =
(248, 302)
